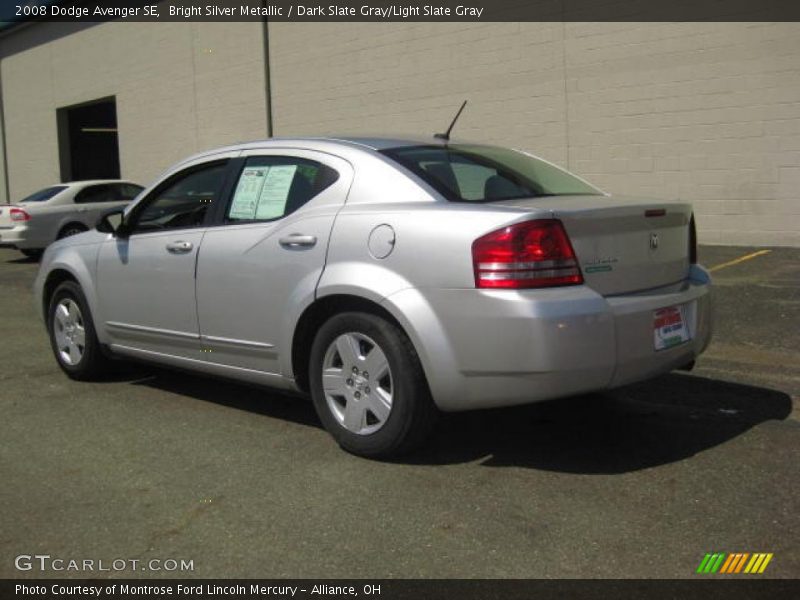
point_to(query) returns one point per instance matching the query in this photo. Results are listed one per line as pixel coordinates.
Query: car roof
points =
(383, 143)
(86, 182)
(370, 143)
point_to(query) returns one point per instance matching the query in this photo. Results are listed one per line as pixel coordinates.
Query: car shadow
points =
(23, 260)
(257, 400)
(657, 422)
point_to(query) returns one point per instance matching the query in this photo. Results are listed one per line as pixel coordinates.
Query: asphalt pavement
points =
(243, 482)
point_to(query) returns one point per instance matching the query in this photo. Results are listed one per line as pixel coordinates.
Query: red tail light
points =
(532, 254)
(692, 241)
(17, 214)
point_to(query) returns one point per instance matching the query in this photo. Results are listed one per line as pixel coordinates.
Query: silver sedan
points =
(59, 211)
(388, 279)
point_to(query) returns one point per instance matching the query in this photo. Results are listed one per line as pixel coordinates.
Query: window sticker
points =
(262, 192)
(275, 191)
(248, 191)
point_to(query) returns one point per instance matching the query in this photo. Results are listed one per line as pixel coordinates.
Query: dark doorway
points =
(87, 140)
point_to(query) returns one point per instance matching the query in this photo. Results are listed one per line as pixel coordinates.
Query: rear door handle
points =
(297, 240)
(179, 247)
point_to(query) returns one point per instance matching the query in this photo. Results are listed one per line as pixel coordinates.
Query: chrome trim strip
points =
(239, 373)
(542, 264)
(505, 275)
(153, 330)
(234, 342)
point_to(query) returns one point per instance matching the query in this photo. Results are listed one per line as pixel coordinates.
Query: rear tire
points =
(72, 334)
(70, 230)
(378, 414)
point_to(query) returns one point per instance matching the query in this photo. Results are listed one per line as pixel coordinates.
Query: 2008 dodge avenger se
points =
(388, 278)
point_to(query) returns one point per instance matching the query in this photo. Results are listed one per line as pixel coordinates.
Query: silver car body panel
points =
(231, 306)
(250, 286)
(135, 272)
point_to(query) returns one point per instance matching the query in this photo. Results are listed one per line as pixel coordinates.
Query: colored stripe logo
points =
(733, 563)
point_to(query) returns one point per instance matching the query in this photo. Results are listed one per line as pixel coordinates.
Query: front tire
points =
(368, 386)
(72, 334)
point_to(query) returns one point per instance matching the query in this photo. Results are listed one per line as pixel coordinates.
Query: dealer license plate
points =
(670, 328)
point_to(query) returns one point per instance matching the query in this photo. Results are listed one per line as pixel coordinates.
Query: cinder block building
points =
(707, 112)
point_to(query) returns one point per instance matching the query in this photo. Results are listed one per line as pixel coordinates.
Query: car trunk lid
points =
(623, 244)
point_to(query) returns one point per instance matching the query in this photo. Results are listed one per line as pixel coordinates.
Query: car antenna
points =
(446, 135)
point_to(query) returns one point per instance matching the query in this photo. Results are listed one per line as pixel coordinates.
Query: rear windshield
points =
(44, 194)
(464, 173)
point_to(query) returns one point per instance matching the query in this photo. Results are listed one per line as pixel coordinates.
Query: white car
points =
(59, 211)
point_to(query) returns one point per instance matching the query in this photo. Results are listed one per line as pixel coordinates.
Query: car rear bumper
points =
(483, 348)
(20, 237)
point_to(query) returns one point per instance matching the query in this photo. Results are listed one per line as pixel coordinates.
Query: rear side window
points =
(95, 193)
(463, 173)
(271, 187)
(45, 194)
(126, 191)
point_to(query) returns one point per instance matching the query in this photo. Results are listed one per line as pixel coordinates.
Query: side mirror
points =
(111, 222)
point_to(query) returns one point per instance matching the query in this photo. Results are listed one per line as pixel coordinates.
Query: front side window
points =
(183, 201)
(271, 187)
(45, 194)
(465, 173)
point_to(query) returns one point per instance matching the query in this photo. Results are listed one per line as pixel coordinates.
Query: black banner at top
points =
(400, 11)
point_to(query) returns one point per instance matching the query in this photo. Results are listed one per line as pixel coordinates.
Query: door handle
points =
(297, 240)
(180, 247)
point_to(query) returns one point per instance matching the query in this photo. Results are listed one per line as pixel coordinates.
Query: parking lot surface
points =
(637, 482)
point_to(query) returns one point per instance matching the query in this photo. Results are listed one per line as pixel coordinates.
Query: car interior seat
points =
(498, 187)
(443, 172)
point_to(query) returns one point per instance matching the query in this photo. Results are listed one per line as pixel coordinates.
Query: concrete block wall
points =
(179, 87)
(707, 112)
